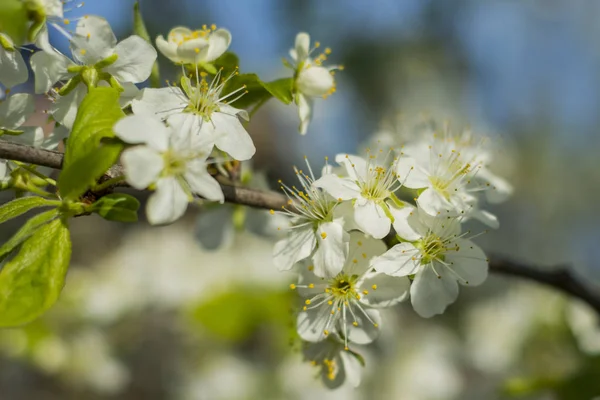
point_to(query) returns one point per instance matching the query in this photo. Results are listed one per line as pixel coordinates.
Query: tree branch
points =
(559, 278)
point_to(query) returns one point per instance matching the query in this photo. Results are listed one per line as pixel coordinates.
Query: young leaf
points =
(13, 20)
(31, 282)
(229, 61)
(256, 92)
(17, 207)
(87, 155)
(28, 229)
(281, 89)
(117, 207)
(139, 28)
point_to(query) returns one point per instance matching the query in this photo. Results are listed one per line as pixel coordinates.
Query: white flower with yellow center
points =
(447, 173)
(369, 185)
(170, 158)
(315, 231)
(97, 57)
(311, 78)
(206, 108)
(344, 304)
(184, 46)
(337, 365)
(438, 256)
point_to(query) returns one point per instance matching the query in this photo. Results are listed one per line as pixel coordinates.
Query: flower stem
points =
(33, 171)
(108, 183)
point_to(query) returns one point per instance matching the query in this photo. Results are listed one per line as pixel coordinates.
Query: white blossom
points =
(170, 158)
(438, 256)
(208, 111)
(184, 46)
(344, 304)
(370, 185)
(13, 70)
(311, 78)
(97, 56)
(315, 231)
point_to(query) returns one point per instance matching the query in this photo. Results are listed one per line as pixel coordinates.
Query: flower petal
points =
(168, 49)
(369, 324)
(232, 136)
(93, 41)
(302, 46)
(371, 218)
(137, 129)
(311, 324)
(398, 261)
(168, 203)
(434, 204)
(15, 110)
(305, 106)
(48, 69)
(356, 167)
(363, 249)
(160, 103)
(332, 249)
(469, 262)
(315, 81)
(202, 183)
(352, 368)
(64, 109)
(142, 166)
(406, 223)
(431, 293)
(13, 70)
(411, 174)
(384, 290)
(193, 51)
(218, 42)
(136, 58)
(298, 245)
(31, 136)
(338, 188)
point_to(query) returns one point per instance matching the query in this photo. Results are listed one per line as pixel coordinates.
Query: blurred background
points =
(163, 313)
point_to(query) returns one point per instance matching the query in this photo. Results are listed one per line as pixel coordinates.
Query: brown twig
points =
(560, 278)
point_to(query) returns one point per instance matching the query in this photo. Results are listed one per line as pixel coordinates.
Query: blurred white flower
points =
(337, 365)
(585, 324)
(184, 46)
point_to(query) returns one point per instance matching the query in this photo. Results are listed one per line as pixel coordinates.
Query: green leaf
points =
(17, 207)
(256, 92)
(117, 207)
(139, 28)
(28, 229)
(31, 282)
(281, 89)
(88, 153)
(229, 61)
(13, 20)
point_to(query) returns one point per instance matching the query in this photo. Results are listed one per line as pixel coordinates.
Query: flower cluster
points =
(351, 263)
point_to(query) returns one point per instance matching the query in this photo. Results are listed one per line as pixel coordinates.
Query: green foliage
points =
(234, 316)
(281, 89)
(31, 282)
(258, 91)
(91, 149)
(228, 61)
(17, 207)
(13, 20)
(27, 230)
(117, 207)
(139, 28)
